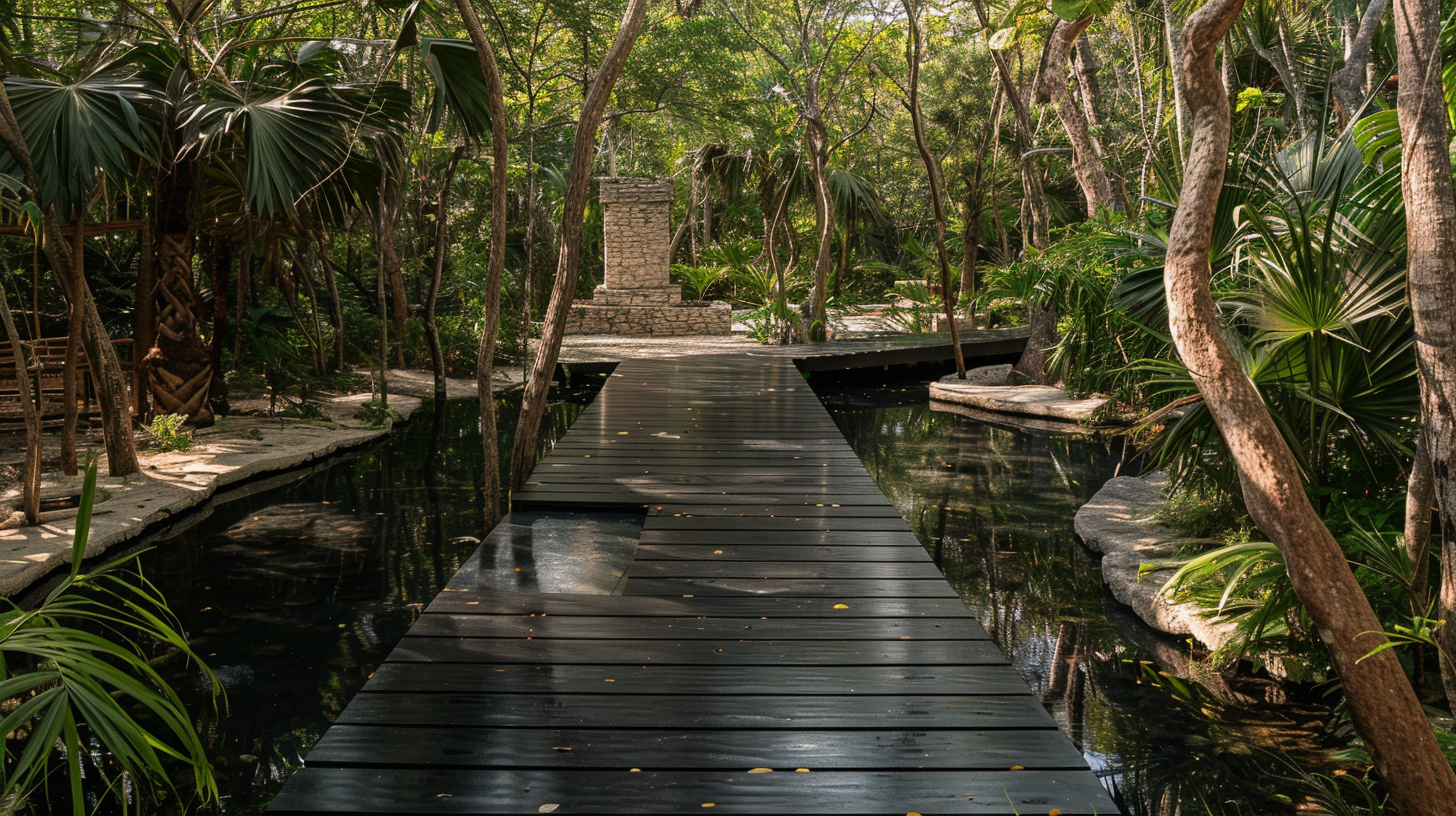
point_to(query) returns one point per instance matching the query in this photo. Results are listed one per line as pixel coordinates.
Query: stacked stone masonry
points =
(637, 297)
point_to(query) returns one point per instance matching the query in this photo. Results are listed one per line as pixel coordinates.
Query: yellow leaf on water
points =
(760, 770)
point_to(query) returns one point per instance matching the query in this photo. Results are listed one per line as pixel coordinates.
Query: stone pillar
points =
(638, 298)
(637, 239)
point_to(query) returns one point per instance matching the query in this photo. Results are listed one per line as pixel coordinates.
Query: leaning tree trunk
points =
(30, 489)
(1382, 704)
(538, 383)
(1431, 273)
(932, 172)
(179, 366)
(1050, 88)
(1348, 83)
(442, 239)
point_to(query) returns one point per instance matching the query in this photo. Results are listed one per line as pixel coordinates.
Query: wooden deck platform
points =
(780, 643)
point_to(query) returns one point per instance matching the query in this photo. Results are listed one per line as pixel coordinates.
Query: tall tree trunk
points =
(1050, 87)
(389, 257)
(69, 379)
(144, 316)
(179, 365)
(1086, 65)
(30, 489)
(121, 459)
(224, 250)
(1173, 34)
(384, 231)
(1420, 495)
(932, 173)
(442, 240)
(1382, 704)
(1431, 273)
(336, 311)
(538, 383)
(816, 143)
(1348, 83)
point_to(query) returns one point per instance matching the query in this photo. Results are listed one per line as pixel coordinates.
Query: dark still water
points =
(995, 508)
(294, 595)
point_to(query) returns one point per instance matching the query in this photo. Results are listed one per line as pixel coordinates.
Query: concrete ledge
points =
(1118, 522)
(1041, 402)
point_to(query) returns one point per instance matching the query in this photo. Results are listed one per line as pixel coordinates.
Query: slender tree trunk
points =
(1382, 704)
(389, 256)
(1419, 497)
(105, 368)
(816, 143)
(442, 240)
(336, 311)
(144, 325)
(538, 383)
(224, 250)
(932, 172)
(1348, 83)
(69, 379)
(1050, 88)
(1431, 273)
(30, 489)
(1086, 65)
(1173, 33)
(383, 246)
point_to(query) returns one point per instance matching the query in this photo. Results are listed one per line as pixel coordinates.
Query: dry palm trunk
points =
(932, 172)
(1382, 704)
(442, 236)
(538, 383)
(1431, 274)
(1050, 88)
(179, 366)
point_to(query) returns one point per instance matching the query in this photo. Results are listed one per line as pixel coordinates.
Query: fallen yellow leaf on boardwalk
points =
(760, 770)
(841, 606)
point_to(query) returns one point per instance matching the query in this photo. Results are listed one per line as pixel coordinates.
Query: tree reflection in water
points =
(295, 594)
(994, 507)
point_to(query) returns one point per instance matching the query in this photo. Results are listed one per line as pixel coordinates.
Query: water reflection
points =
(994, 507)
(295, 595)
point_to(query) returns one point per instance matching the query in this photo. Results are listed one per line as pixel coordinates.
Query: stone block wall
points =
(637, 232)
(680, 320)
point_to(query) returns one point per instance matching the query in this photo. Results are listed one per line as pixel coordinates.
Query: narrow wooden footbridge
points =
(773, 640)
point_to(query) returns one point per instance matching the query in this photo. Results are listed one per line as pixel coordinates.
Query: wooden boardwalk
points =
(781, 644)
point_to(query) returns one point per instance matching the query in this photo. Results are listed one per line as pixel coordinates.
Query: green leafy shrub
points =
(697, 281)
(169, 434)
(74, 675)
(375, 415)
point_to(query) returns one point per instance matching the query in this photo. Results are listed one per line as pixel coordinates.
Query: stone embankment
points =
(235, 450)
(985, 395)
(1119, 522)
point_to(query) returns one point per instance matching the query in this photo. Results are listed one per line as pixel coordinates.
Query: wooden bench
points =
(48, 360)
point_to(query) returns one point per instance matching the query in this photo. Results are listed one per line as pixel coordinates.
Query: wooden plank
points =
(776, 552)
(458, 598)
(696, 711)
(781, 569)
(561, 651)
(609, 749)
(511, 678)
(644, 628)
(842, 588)
(779, 538)
(399, 791)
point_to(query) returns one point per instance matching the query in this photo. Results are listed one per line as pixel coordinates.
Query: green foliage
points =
(76, 669)
(374, 415)
(169, 434)
(698, 280)
(912, 308)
